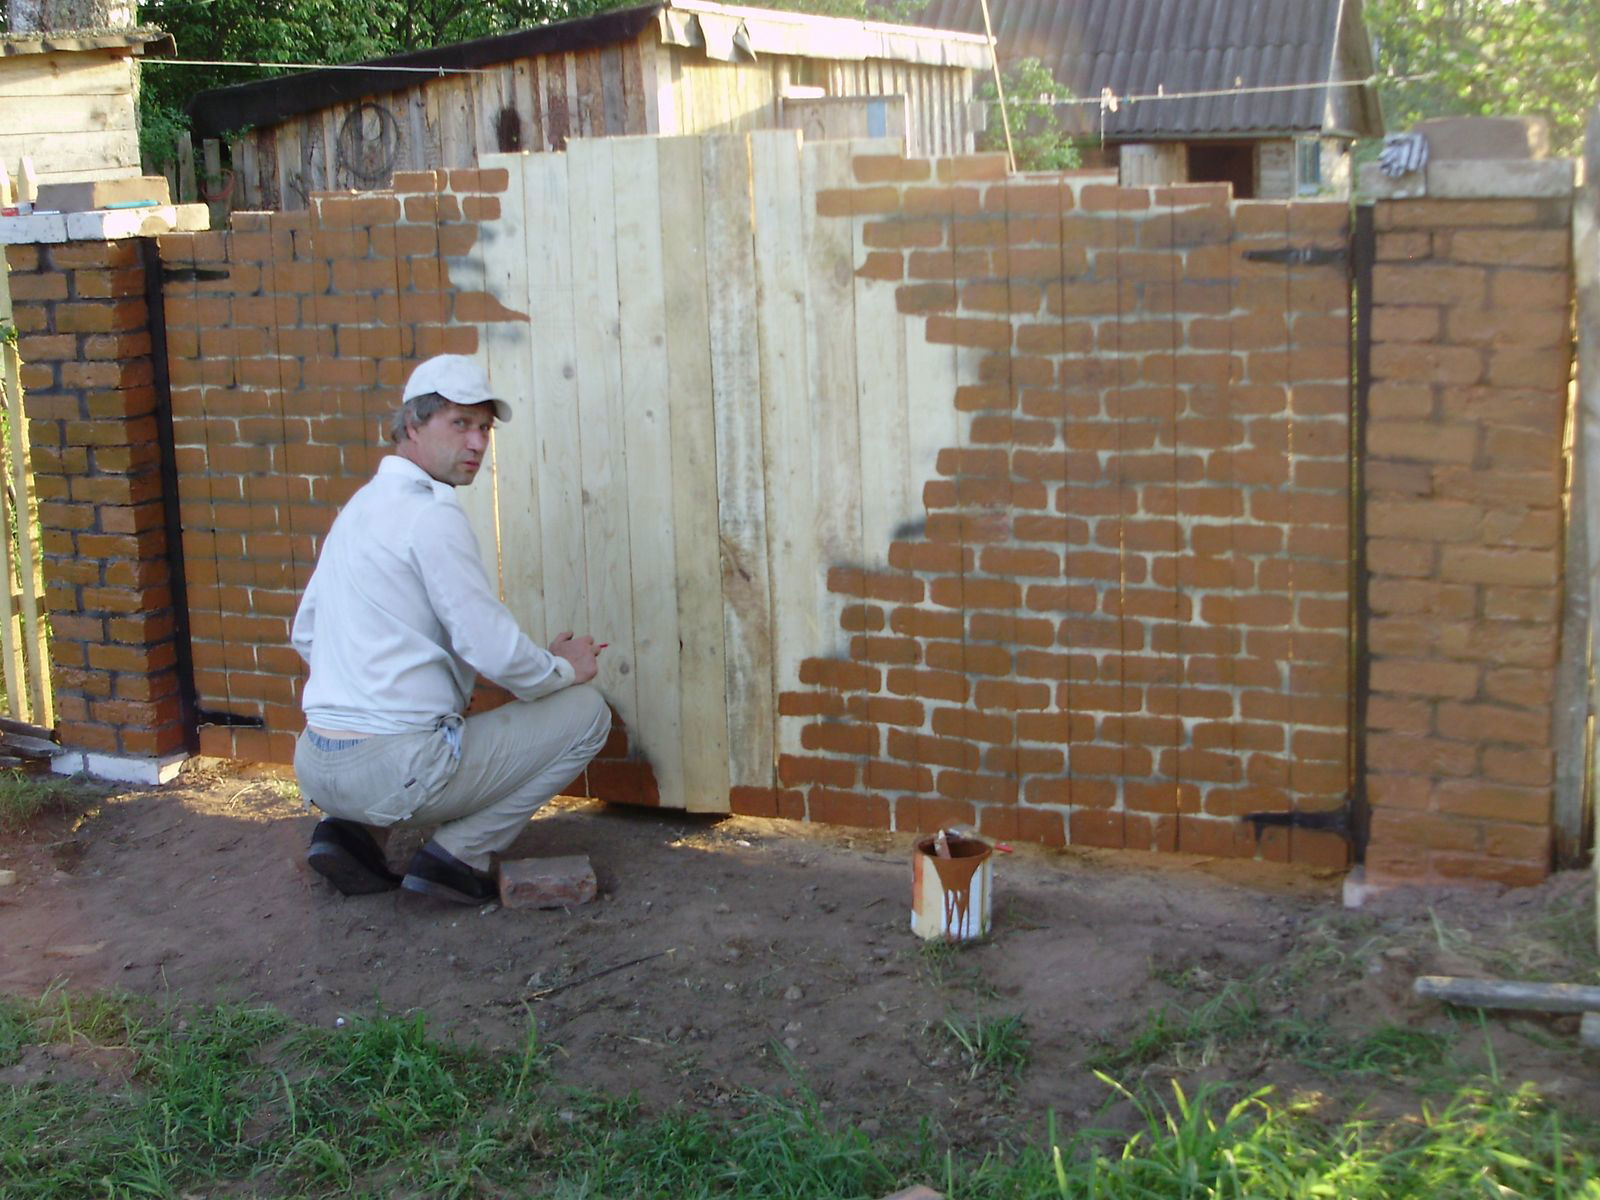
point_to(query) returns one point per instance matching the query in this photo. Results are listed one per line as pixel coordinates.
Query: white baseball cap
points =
(455, 377)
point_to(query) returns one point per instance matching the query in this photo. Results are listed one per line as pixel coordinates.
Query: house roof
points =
(1140, 49)
(150, 42)
(724, 32)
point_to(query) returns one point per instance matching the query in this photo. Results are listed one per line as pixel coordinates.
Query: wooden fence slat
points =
(697, 549)
(36, 653)
(788, 426)
(831, 353)
(602, 451)
(741, 489)
(478, 500)
(555, 393)
(647, 433)
(10, 644)
(888, 346)
(510, 363)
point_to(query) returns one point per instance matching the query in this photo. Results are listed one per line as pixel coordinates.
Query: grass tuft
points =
(23, 797)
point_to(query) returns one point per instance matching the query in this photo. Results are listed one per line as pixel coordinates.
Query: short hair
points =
(416, 411)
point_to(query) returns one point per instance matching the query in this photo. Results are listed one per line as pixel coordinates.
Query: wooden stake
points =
(1501, 993)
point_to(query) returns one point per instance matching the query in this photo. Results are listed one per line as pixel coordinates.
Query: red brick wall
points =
(90, 402)
(1125, 620)
(286, 352)
(1470, 360)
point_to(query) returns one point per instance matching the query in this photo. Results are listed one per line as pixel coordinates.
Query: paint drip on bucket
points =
(951, 898)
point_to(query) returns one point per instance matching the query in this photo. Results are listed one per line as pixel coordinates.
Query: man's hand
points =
(581, 652)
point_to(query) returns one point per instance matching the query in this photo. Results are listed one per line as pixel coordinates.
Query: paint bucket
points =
(952, 898)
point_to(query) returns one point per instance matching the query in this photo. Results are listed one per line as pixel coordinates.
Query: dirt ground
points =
(726, 955)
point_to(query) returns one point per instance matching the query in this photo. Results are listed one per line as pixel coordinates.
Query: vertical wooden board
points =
(463, 133)
(16, 567)
(554, 353)
(647, 434)
(576, 98)
(831, 374)
(696, 539)
(741, 488)
(636, 99)
(509, 346)
(888, 347)
(791, 433)
(612, 103)
(478, 500)
(602, 450)
(421, 144)
(558, 107)
(655, 86)
(530, 103)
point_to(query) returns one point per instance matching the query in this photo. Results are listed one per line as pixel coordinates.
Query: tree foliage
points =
(1037, 137)
(1488, 58)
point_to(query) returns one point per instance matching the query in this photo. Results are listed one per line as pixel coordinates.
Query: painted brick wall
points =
(90, 402)
(287, 344)
(1470, 361)
(1124, 621)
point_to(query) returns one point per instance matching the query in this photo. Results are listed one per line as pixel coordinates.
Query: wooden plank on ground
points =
(647, 434)
(741, 487)
(704, 706)
(790, 433)
(1506, 993)
(602, 449)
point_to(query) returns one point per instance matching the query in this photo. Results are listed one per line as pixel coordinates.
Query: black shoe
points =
(346, 855)
(436, 872)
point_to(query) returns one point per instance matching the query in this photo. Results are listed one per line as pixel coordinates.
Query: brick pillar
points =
(1472, 290)
(90, 400)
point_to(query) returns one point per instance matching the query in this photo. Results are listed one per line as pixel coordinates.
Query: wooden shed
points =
(70, 99)
(673, 67)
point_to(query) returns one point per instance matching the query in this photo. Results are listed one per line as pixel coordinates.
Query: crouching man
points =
(396, 624)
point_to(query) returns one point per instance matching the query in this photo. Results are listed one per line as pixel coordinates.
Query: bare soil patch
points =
(730, 955)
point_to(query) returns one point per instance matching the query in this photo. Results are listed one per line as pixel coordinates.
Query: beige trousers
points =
(510, 761)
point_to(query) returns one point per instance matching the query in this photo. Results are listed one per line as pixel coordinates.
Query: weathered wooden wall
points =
(72, 113)
(538, 103)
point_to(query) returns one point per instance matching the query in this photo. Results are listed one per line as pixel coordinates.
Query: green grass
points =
(23, 797)
(993, 1047)
(241, 1101)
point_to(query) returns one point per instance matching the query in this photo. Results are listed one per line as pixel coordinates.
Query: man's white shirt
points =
(399, 618)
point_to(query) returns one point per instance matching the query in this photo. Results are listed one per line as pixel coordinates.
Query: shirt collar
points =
(403, 470)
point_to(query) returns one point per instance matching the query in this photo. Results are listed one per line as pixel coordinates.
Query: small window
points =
(1308, 167)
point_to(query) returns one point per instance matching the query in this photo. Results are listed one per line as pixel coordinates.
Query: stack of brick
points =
(1125, 622)
(90, 400)
(1470, 361)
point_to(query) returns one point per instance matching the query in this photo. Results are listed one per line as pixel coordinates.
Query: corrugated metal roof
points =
(1144, 48)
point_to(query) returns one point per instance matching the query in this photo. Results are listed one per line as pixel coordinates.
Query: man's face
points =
(452, 444)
